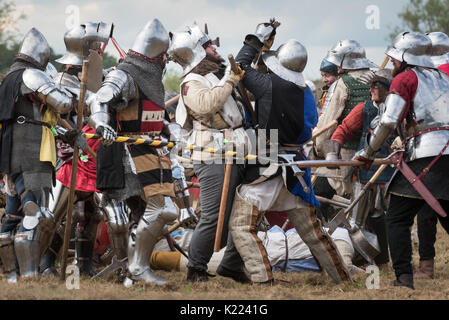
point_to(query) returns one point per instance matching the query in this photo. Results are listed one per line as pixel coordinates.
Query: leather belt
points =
(23, 119)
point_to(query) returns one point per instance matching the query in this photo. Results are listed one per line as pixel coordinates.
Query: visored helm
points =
(413, 48)
(440, 48)
(349, 55)
(87, 36)
(186, 48)
(152, 41)
(35, 47)
(288, 61)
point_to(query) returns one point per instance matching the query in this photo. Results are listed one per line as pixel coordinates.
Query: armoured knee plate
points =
(7, 256)
(118, 227)
(159, 211)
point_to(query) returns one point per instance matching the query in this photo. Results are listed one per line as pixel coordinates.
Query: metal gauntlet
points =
(182, 199)
(332, 150)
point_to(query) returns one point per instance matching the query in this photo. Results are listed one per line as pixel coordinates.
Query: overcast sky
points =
(318, 24)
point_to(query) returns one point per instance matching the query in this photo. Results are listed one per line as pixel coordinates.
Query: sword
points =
(325, 175)
(340, 218)
(417, 184)
(112, 268)
(334, 163)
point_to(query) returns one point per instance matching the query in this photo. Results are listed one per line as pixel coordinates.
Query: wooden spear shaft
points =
(221, 213)
(79, 123)
(228, 166)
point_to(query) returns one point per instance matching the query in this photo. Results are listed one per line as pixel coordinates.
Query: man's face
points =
(328, 79)
(212, 53)
(378, 92)
(397, 66)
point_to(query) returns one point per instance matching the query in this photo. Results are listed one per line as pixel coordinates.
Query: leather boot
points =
(47, 264)
(425, 270)
(404, 280)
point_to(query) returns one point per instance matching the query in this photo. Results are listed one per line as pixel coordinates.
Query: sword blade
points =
(112, 268)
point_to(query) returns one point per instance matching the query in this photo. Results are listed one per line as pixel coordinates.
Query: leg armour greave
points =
(160, 210)
(117, 227)
(7, 256)
(85, 235)
(27, 252)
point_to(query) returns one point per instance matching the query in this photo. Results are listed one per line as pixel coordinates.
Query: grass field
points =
(292, 286)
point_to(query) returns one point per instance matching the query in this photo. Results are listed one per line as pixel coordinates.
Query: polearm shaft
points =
(71, 200)
(226, 153)
(243, 92)
(148, 142)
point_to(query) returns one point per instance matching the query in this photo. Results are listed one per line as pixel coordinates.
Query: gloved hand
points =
(107, 132)
(367, 78)
(240, 73)
(362, 156)
(232, 77)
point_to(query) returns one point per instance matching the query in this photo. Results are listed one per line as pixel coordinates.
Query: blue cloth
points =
(13, 205)
(303, 265)
(310, 121)
(310, 116)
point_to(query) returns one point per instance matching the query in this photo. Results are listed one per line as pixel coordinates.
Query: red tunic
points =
(405, 84)
(86, 176)
(444, 68)
(350, 125)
